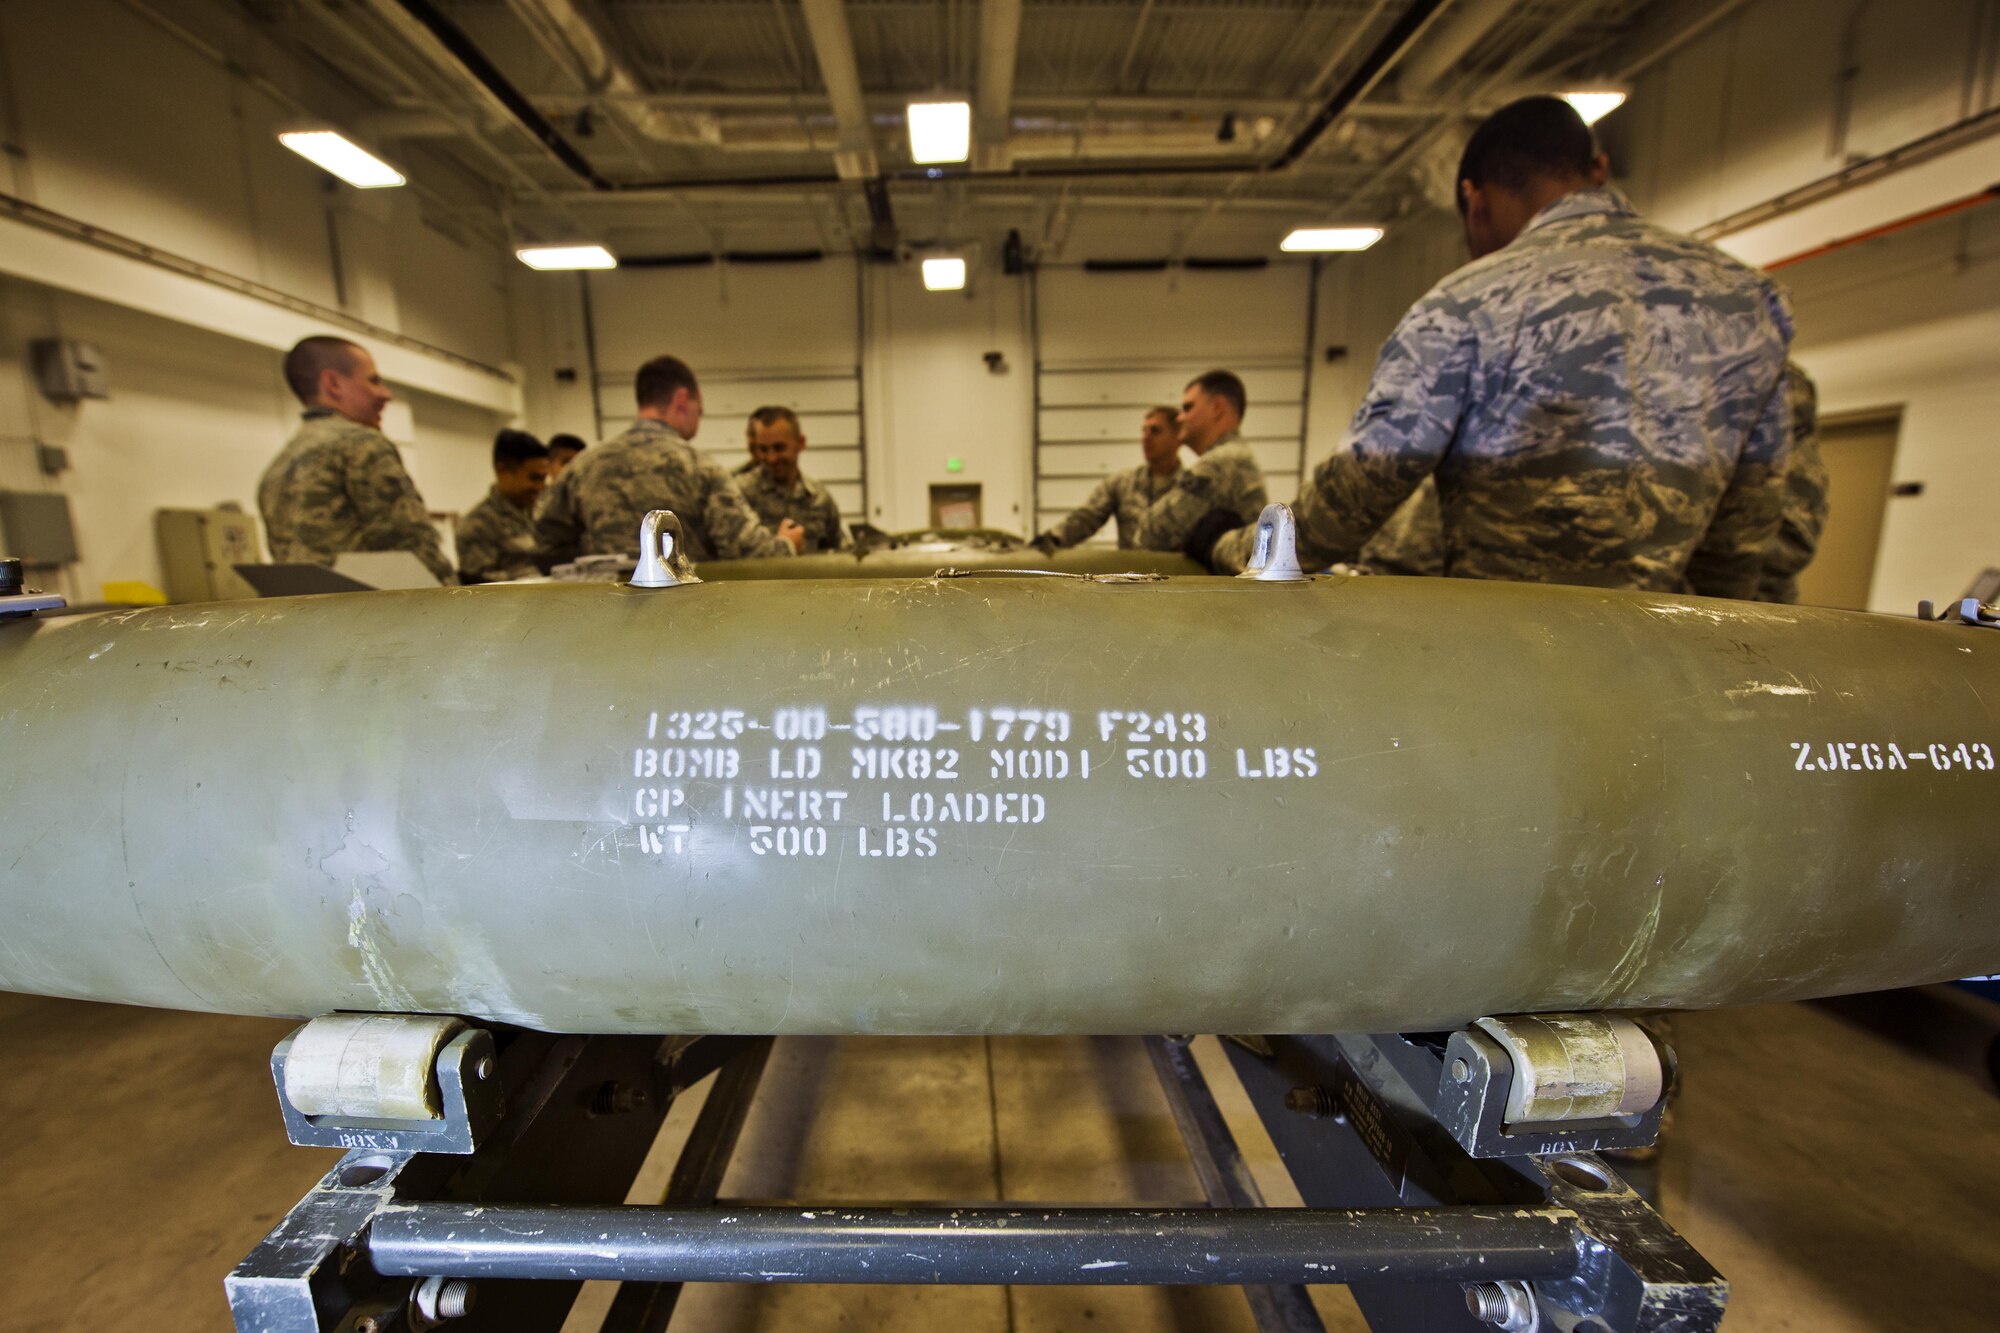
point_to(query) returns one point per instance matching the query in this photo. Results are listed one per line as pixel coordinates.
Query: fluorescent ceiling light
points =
(944, 275)
(333, 153)
(1594, 106)
(940, 131)
(1330, 238)
(566, 256)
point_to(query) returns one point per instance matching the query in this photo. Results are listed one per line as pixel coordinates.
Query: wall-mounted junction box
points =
(35, 528)
(199, 552)
(67, 370)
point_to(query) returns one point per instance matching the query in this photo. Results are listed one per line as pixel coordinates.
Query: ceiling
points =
(1163, 127)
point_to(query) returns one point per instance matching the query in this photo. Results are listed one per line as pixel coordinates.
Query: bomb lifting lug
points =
(1274, 552)
(663, 558)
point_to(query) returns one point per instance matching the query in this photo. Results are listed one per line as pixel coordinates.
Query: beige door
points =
(1860, 452)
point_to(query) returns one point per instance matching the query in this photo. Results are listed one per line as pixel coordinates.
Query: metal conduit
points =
(987, 1245)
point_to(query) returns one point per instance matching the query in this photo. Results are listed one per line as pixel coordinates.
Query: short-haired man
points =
(776, 488)
(1223, 488)
(496, 538)
(563, 450)
(1127, 495)
(1598, 397)
(339, 485)
(595, 506)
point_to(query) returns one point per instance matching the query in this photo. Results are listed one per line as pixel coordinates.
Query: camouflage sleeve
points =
(831, 533)
(1402, 429)
(1087, 517)
(559, 528)
(391, 513)
(479, 556)
(1729, 562)
(1412, 541)
(1803, 516)
(734, 530)
(1173, 517)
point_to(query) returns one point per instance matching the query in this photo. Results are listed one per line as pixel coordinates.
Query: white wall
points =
(1913, 321)
(926, 392)
(122, 126)
(1114, 343)
(1788, 91)
(931, 396)
(192, 420)
(1361, 298)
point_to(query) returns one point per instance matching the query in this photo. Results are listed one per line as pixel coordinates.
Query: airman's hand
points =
(792, 533)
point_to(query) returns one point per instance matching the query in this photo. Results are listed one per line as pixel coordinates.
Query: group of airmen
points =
(339, 484)
(1594, 399)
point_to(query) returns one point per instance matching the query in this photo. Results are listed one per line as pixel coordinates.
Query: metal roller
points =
(372, 1066)
(994, 804)
(1577, 1066)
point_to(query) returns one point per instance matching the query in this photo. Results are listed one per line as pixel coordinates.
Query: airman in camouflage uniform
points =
(1598, 397)
(778, 490)
(1412, 541)
(595, 506)
(339, 485)
(1791, 548)
(805, 502)
(1222, 483)
(496, 539)
(1126, 496)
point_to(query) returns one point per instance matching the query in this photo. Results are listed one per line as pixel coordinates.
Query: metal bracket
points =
(316, 1260)
(1352, 1117)
(469, 1089)
(28, 601)
(663, 561)
(1968, 611)
(1471, 1104)
(1971, 611)
(1274, 555)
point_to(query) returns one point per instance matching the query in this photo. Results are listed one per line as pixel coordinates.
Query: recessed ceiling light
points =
(566, 256)
(1330, 238)
(944, 274)
(336, 154)
(1596, 104)
(940, 131)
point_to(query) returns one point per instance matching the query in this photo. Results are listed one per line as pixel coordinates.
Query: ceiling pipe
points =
(833, 47)
(992, 108)
(1692, 31)
(1552, 31)
(568, 35)
(1395, 43)
(462, 51)
(1337, 57)
(1448, 45)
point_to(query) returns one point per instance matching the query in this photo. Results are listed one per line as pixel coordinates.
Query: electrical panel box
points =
(199, 552)
(67, 370)
(35, 528)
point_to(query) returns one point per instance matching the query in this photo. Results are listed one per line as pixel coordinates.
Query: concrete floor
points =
(1842, 1182)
